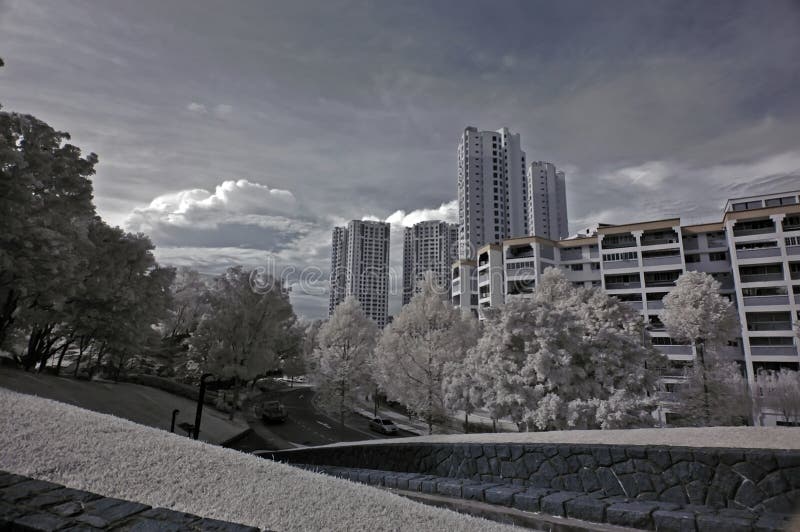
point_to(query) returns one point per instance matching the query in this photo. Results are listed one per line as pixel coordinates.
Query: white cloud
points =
(447, 212)
(197, 108)
(223, 109)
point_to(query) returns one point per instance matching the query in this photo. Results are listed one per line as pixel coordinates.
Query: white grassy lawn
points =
(735, 437)
(81, 449)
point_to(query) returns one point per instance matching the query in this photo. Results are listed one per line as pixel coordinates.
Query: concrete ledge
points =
(34, 505)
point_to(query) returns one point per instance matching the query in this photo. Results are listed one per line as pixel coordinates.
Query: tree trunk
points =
(700, 348)
(466, 422)
(61, 356)
(7, 313)
(494, 425)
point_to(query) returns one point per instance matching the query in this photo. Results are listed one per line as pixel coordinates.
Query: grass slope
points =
(53, 441)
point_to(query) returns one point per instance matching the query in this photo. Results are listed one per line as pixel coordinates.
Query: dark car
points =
(384, 426)
(273, 412)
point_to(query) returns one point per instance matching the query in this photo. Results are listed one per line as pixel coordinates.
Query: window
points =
(614, 257)
(577, 267)
(716, 257)
(793, 240)
(690, 259)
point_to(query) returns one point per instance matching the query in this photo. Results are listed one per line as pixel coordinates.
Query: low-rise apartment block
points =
(754, 253)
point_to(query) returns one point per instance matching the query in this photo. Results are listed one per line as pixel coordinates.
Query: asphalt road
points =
(307, 426)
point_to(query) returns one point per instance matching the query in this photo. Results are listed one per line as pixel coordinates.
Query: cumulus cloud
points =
(197, 108)
(447, 212)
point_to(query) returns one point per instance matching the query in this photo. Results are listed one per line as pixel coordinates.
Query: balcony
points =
(717, 243)
(690, 243)
(658, 241)
(794, 275)
(526, 253)
(754, 301)
(747, 231)
(758, 253)
(793, 250)
(619, 244)
(769, 326)
(674, 349)
(773, 350)
(655, 304)
(619, 264)
(635, 305)
(761, 277)
(571, 254)
(659, 283)
(623, 286)
(672, 260)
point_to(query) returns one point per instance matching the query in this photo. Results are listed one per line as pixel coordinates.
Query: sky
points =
(242, 132)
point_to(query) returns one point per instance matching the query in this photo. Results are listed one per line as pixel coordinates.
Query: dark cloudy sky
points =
(243, 131)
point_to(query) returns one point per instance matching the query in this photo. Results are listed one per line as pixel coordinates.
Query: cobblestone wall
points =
(761, 480)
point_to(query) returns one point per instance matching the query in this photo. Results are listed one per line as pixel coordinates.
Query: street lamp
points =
(172, 425)
(199, 414)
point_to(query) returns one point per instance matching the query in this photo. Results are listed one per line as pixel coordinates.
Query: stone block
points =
(363, 476)
(451, 487)
(516, 452)
(749, 494)
(674, 494)
(60, 495)
(772, 523)
(572, 482)
(528, 500)
(632, 514)
(763, 459)
(586, 508)
(415, 484)
(589, 480)
(602, 456)
(43, 522)
(773, 484)
(502, 495)
(430, 485)
(749, 470)
(7, 479)
(112, 510)
(716, 523)
(659, 457)
(26, 489)
(553, 503)
(611, 486)
(214, 525)
(696, 491)
(476, 492)
(636, 451)
(674, 521)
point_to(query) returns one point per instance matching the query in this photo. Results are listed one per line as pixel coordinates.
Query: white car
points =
(385, 426)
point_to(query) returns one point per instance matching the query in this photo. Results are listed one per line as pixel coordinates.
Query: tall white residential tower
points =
(364, 271)
(546, 199)
(492, 187)
(429, 246)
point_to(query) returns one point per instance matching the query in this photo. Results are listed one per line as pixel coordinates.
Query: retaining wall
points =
(759, 480)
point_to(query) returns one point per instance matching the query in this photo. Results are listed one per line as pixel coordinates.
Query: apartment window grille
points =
(792, 240)
(615, 257)
(716, 257)
(691, 259)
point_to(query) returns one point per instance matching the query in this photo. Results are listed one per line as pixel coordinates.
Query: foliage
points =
(694, 311)
(242, 334)
(426, 337)
(345, 345)
(566, 358)
(780, 391)
(728, 395)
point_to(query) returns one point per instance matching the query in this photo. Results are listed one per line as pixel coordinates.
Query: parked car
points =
(384, 426)
(273, 412)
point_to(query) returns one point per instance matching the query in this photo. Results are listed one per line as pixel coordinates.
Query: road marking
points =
(324, 424)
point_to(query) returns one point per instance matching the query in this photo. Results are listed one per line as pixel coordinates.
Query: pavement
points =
(306, 426)
(141, 404)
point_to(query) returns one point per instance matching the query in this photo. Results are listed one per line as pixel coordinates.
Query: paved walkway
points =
(141, 404)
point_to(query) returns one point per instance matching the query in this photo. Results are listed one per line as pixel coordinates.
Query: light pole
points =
(199, 414)
(172, 425)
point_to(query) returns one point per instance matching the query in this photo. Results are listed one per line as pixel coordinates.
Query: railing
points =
(636, 305)
(617, 264)
(793, 250)
(691, 243)
(717, 243)
(769, 326)
(794, 275)
(520, 255)
(755, 231)
(674, 349)
(655, 304)
(572, 255)
(661, 261)
(658, 241)
(672, 373)
(594, 254)
(773, 350)
(622, 286)
(752, 301)
(791, 227)
(618, 245)
(652, 283)
(758, 253)
(762, 277)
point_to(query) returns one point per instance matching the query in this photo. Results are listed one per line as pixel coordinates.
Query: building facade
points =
(546, 198)
(754, 253)
(492, 187)
(429, 246)
(364, 270)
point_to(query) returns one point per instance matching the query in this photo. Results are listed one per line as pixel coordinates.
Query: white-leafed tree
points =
(341, 360)
(426, 337)
(780, 391)
(695, 312)
(567, 358)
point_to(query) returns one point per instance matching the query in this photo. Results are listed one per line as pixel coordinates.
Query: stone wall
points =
(760, 480)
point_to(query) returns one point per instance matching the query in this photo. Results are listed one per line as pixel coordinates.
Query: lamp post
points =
(172, 425)
(199, 414)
